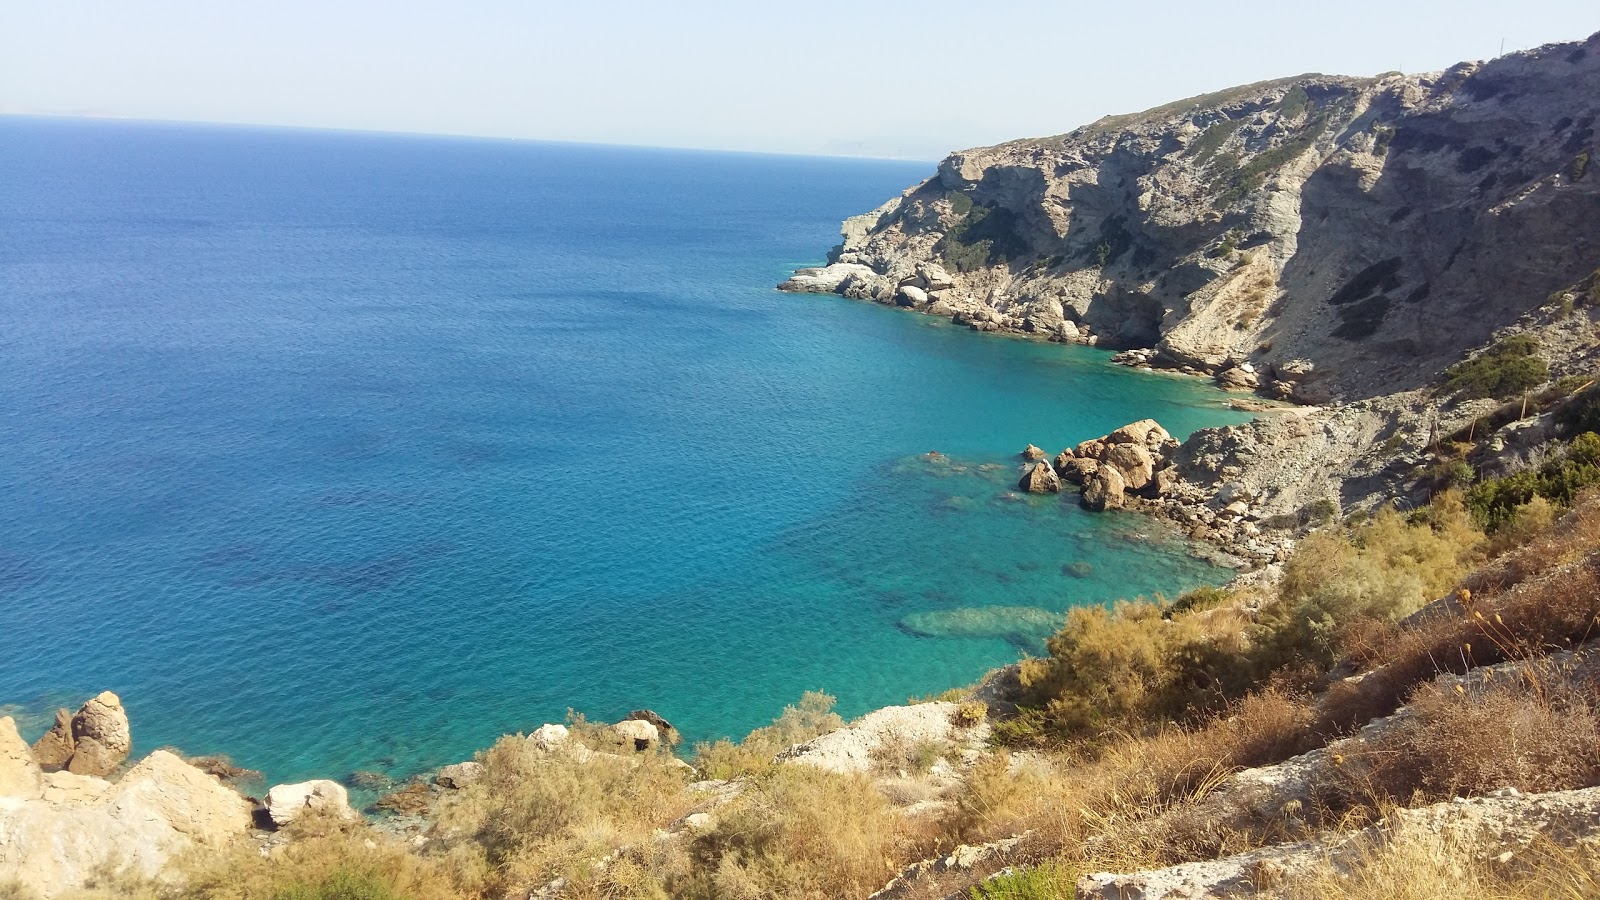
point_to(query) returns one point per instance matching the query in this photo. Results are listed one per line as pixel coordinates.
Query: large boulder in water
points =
(100, 735)
(54, 750)
(1075, 470)
(1133, 462)
(94, 741)
(1032, 453)
(669, 734)
(1145, 431)
(1040, 479)
(1104, 490)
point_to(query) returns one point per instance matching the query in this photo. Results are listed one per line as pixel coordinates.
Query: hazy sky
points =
(870, 78)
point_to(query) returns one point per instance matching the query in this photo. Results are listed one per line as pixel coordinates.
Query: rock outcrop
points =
(57, 833)
(857, 746)
(19, 772)
(1319, 237)
(94, 741)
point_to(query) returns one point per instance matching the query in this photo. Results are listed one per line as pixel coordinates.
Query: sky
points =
(892, 78)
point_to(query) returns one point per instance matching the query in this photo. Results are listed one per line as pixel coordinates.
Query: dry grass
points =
(1536, 731)
(536, 815)
(1432, 868)
(800, 832)
(811, 717)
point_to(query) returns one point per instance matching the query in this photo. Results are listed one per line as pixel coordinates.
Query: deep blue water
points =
(336, 451)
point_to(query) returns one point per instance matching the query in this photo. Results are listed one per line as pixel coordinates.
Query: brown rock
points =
(1133, 462)
(1089, 449)
(669, 734)
(1136, 433)
(1104, 490)
(1077, 471)
(1033, 454)
(55, 748)
(101, 737)
(1040, 479)
(1163, 483)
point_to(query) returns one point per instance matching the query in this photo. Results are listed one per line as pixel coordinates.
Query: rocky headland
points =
(1337, 243)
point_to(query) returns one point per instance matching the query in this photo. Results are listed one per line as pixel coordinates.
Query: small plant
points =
(970, 714)
(1049, 881)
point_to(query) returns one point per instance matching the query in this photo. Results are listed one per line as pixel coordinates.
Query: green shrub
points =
(1494, 502)
(1050, 881)
(1212, 139)
(1504, 370)
(1382, 570)
(985, 236)
(1198, 599)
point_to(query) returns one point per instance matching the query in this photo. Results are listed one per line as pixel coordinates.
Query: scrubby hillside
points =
(1347, 237)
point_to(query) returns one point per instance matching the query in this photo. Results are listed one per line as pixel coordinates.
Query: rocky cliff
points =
(1330, 237)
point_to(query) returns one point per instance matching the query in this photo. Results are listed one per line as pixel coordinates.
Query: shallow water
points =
(337, 452)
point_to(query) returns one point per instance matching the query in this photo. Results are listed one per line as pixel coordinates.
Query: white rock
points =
(637, 733)
(161, 808)
(548, 736)
(287, 802)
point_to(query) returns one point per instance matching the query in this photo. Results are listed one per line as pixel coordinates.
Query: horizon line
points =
(451, 135)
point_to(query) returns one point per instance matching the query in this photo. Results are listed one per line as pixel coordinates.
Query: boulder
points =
(911, 295)
(1069, 332)
(100, 737)
(19, 772)
(1090, 449)
(54, 750)
(636, 733)
(1104, 490)
(1133, 462)
(287, 802)
(458, 776)
(1075, 470)
(162, 808)
(669, 734)
(1145, 431)
(547, 736)
(1040, 479)
(1033, 454)
(1238, 378)
(935, 276)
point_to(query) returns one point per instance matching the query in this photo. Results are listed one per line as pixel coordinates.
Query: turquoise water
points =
(338, 452)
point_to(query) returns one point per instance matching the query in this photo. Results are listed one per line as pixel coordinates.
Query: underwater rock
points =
(1024, 626)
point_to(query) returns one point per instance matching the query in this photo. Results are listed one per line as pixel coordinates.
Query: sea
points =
(339, 452)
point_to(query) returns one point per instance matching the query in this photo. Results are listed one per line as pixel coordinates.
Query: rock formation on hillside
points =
(1326, 237)
(94, 742)
(57, 828)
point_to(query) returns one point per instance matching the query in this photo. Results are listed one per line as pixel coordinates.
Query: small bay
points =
(338, 451)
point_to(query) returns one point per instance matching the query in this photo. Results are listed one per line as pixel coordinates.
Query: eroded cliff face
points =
(1346, 237)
